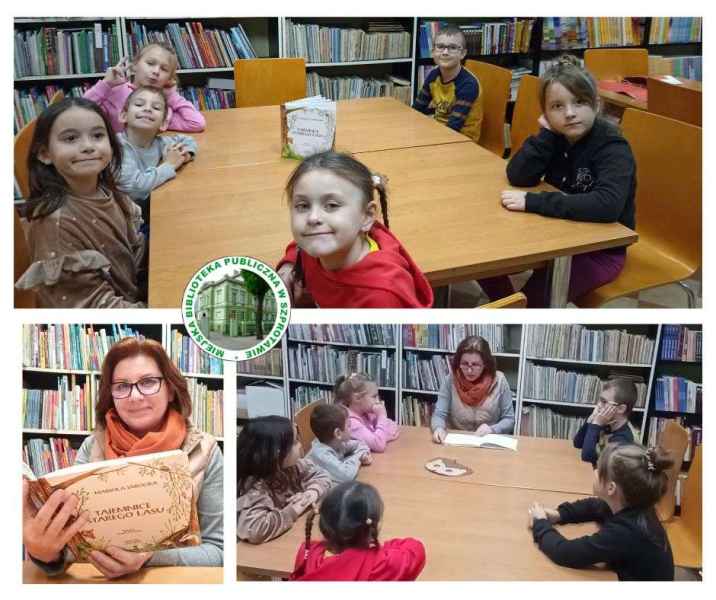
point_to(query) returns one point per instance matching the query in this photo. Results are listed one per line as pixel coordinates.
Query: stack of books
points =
(324, 364)
(568, 33)
(207, 407)
(416, 411)
(359, 335)
(543, 422)
(425, 373)
(345, 88)
(448, 337)
(45, 456)
(207, 98)
(189, 358)
(677, 394)
(68, 408)
(304, 395)
(266, 364)
(680, 343)
(675, 30)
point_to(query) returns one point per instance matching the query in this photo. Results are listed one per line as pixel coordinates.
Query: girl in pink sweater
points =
(155, 65)
(367, 418)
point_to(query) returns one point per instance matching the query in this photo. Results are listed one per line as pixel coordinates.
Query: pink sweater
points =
(182, 114)
(375, 432)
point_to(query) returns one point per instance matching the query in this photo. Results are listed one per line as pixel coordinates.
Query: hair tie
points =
(377, 180)
(369, 521)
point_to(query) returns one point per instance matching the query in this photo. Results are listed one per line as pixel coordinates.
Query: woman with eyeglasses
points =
(475, 396)
(143, 407)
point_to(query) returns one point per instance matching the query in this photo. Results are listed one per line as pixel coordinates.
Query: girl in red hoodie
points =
(341, 257)
(349, 521)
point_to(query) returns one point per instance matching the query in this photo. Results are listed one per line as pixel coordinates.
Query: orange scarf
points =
(472, 393)
(120, 442)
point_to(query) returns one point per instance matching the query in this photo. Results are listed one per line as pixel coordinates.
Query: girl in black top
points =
(592, 165)
(628, 482)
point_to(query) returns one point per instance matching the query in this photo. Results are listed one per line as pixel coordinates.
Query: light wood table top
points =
(473, 527)
(243, 136)
(86, 573)
(444, 206)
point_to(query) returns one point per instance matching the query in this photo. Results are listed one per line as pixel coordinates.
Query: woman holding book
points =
(475, 396)
(143, 407)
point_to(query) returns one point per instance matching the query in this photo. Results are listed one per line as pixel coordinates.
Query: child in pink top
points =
(155, 65)
(367, 418)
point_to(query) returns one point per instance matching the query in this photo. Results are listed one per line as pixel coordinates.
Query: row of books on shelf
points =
(51, 51)
(68, 408)
(207, 407)
(537, 421)
(344, 88)
(416, 411)
(70, 346)
(358, 335)
(680, 343)
(577, 342)
(266, 364)
(566, 33)
(189, 358)
(502, 37)
(30, 103)
(44, 456)
(319, 44)
(196, 47)
(303, 395)
(448, 337)
(657, 425)
(675, 30)
(688, 67)
(677, 394)
(557, 385)
(208, 98)
(425, 373)
(517, 74)
(325, 364)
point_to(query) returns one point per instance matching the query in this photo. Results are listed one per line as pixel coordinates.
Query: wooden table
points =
(245, 136)
(473, 528)
(444, 206)
(86, 573)
(622, 101)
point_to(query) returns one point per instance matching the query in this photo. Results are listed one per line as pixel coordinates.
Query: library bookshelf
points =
(60, 376)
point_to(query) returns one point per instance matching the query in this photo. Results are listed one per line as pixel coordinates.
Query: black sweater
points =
(596, 176)
(632, 542)
(587, 438)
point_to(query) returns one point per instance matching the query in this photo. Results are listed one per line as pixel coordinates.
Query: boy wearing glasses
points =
(609, 421)
(451, 93)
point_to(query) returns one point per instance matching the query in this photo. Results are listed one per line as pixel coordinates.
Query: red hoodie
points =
(387, 278)
(394, 560)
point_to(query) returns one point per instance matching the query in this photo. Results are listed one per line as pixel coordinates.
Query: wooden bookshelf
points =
(41, 378)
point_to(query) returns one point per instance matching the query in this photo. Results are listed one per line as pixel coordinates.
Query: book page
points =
(488, 441)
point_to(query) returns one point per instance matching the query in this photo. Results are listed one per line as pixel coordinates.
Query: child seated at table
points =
(148, 159)
(341, 257)
(275, 484)
(450, 92)
(154, 65)
(367, 417)
(591, 164)
(628, 482)
(333, 449)
(609, 421)
(350, 551)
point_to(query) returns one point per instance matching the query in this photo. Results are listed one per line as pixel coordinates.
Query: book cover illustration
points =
(308, 127)
(140, 504)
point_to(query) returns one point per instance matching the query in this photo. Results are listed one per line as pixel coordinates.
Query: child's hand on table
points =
(483, 429)
(513, 199)
(439, 435)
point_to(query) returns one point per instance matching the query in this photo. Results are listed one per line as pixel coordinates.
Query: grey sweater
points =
(143, 169)
(341, 465)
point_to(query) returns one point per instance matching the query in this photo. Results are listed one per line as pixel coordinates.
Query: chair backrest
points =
(516, 300)
(674, 101)
(23, 298)
(527, 111)
(691, 509)
(668, 200)
(303, 422)
(269, 81)
(616, 63)
(23, 140)
(58, 96)
(495, 91)
(675, 439)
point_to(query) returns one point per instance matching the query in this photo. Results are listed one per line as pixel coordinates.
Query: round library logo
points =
(236, 308)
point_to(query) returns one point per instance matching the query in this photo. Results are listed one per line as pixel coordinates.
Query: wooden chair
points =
(527, 111)
(516, 300)
(23, 141)
(675, 439)
(616, 63)
(685, 532)
(668, 208)
(269, 81)
(495, 90)
(674, 101)
(303, 423)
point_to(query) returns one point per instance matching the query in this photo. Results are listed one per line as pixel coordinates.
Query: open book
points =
(141, 504)
(491, 440)
(308, 127)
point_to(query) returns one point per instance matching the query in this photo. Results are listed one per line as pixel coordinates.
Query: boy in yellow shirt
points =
(451, 93)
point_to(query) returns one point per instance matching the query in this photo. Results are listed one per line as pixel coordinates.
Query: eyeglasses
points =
(471, 366)
(148, 386)
(451, 48)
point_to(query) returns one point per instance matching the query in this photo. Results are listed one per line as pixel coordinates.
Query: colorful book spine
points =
(189, 358)
(207, 407)
(374, 335)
